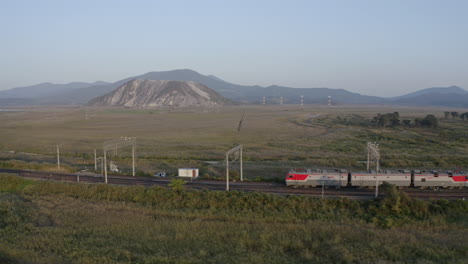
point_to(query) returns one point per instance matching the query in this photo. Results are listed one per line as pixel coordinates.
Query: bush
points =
(177, 185)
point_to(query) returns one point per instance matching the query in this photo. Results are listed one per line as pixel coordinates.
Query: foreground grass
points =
(46, 222)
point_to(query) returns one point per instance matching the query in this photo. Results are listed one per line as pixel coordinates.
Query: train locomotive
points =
(400, 178)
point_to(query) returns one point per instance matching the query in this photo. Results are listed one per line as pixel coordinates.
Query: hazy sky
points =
(372, 47)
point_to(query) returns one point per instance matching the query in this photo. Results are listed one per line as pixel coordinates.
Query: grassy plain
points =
(49, 222)
(275, 138)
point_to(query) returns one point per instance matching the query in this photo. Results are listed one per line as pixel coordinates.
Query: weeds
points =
(274, 139)
(50, 222)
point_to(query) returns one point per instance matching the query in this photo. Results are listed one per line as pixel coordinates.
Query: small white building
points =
(188, 172)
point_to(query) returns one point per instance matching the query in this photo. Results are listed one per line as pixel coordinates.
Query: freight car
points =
(401, 178)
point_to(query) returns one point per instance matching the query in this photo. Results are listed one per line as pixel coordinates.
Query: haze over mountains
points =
(78, 93)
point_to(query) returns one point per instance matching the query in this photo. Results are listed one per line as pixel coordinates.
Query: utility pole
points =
(133, 160)
(368, 159)
(241, 168)
(323, 187)
(231, 151)
(373, 155)
(101, 160)
(58, 158)
(240, 122)
(105, 166)
(227, 172)
(95, 160)
(376, 186)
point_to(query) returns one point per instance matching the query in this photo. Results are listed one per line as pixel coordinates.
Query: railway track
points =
(274, 188)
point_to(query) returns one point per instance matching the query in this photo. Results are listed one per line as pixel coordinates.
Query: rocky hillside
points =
(157, 93)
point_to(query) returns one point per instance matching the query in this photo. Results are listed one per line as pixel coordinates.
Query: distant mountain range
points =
(79, 93)
(452, 96)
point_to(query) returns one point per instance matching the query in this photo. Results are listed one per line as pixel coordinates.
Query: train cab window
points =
(450, 174)
(436, 174)
(290, 176)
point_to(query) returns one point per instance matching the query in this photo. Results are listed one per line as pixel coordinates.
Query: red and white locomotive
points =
(402, 178)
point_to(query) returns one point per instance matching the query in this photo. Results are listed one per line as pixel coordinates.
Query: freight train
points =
(400, 178)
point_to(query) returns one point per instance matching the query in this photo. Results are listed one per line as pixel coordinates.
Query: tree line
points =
(393, 120)
(462, 116)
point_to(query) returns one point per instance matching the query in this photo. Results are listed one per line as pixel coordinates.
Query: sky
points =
(372, 47)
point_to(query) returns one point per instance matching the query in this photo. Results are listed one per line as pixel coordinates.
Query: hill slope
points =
(45, 90)
(452, 96)
(433, 90)
(157, 93)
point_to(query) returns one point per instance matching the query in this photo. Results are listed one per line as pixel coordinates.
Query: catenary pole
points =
(227, 172)
(58, 158)
(241, 168)
(105, 167)
(95, 160)
(133, 160)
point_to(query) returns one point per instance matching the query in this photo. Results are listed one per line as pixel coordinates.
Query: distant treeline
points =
(394, 120)
(389, 120)
(462, 116)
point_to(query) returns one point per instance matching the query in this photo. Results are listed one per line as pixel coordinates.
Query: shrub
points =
(177, 185)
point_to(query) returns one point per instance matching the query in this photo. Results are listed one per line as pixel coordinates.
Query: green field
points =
(275, 138)
(49, 222)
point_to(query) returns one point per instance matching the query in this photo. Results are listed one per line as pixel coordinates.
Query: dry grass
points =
(44, 222)
(290, 136)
